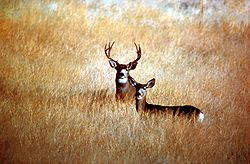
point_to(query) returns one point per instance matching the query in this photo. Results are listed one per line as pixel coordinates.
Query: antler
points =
(108, 49)
(138, 51)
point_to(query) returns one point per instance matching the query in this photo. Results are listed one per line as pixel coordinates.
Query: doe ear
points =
(132, 65)
(113, 63)
(132, 81)
(150, 83)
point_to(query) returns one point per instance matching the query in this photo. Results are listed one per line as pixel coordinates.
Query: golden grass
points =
(57, 89)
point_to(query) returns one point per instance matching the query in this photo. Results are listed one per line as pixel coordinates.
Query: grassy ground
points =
(57, 88)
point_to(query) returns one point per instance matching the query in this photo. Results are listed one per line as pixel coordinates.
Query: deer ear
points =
(150, 83)
(113, 63)
(132, 65)
(132, 81)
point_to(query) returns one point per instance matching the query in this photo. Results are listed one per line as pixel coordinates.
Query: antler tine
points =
(108, 49)
(138, 51)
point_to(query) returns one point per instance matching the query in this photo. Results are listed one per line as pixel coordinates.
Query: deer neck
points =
(141, 104)
(122, 86)
(123, 89)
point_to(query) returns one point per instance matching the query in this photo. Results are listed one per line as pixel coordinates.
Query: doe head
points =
(141, 89)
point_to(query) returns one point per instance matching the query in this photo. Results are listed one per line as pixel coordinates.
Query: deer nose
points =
(121, 74)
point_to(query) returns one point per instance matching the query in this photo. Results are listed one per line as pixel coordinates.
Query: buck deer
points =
(187, 111)
(124, 91)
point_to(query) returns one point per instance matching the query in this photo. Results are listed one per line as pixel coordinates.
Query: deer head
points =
(141, 89)
(122, 73)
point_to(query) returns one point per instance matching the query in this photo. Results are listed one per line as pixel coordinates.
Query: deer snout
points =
(121, 74)
(140, 94)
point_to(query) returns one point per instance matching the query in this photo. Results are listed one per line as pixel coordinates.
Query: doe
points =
(124, 91)
(187, 111)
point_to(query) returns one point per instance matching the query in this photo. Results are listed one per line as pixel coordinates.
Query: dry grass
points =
(57, 89)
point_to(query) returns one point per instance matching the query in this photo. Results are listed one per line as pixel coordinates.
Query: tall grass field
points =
(57, 89)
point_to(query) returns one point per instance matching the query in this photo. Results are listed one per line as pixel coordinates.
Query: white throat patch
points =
(201, 117)
(139, 97)
(123, 80)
